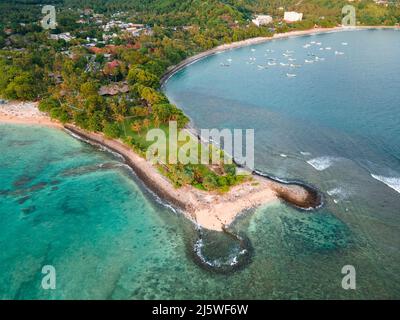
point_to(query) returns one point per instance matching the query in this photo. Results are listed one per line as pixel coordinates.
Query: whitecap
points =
(391, 182)
(338, 194)
(321, 163)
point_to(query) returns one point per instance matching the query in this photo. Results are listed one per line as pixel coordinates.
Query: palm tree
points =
(137, 126)
(156, 121)
(146, 123)
(121, 120)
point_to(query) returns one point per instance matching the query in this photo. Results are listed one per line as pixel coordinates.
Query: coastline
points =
(210, 210)
(26, 113)
(258, 40)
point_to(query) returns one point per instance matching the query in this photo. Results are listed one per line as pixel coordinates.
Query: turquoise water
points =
(77, 207)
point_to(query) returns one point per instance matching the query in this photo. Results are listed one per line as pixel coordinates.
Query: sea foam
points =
(391, 182)
(321, 163)
(338, 194)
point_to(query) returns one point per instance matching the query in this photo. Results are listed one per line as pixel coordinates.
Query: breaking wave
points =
(321, 163)
(391, 182)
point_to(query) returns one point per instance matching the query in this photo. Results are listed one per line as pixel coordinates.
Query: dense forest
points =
(68, 75)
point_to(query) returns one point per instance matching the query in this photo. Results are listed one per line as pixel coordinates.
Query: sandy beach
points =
(210, 210)
(25, 113)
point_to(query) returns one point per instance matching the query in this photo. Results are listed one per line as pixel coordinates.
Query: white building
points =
(292, 16)
(62, 36)
(262, 20)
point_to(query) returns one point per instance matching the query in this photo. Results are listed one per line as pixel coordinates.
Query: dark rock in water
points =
(54, 188)
(23, 199)
(218, 257)
(4, 192)
(54, 182)
(23, 180)
(29, 210)
(38, 186)
(18, 143)
(87, 169)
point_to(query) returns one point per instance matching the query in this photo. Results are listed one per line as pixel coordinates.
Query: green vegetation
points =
(67, 74)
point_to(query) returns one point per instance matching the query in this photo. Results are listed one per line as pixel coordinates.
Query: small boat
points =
(261, 67)
(253, 59)
(229, 60)
(287, 55)
(284, 64)
(295, 65)
(318, 43)
(288, 51)
(271, 59)
(252, 50)
(321, 49)
(344, 43)
(224, 64)
(306, 46)
(319, 59)
(272, 63)
(308, 61)
(328, 48)
(290, 75)
(292, 59)
(312, 42)
(339, 53)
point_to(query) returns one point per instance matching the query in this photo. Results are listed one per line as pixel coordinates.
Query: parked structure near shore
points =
(262, 20)
(292, 16)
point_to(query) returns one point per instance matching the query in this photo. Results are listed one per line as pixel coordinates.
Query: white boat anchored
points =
(290, 75)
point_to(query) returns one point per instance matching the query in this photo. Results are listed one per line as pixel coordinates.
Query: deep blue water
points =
(335, 124)
(76, 207)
